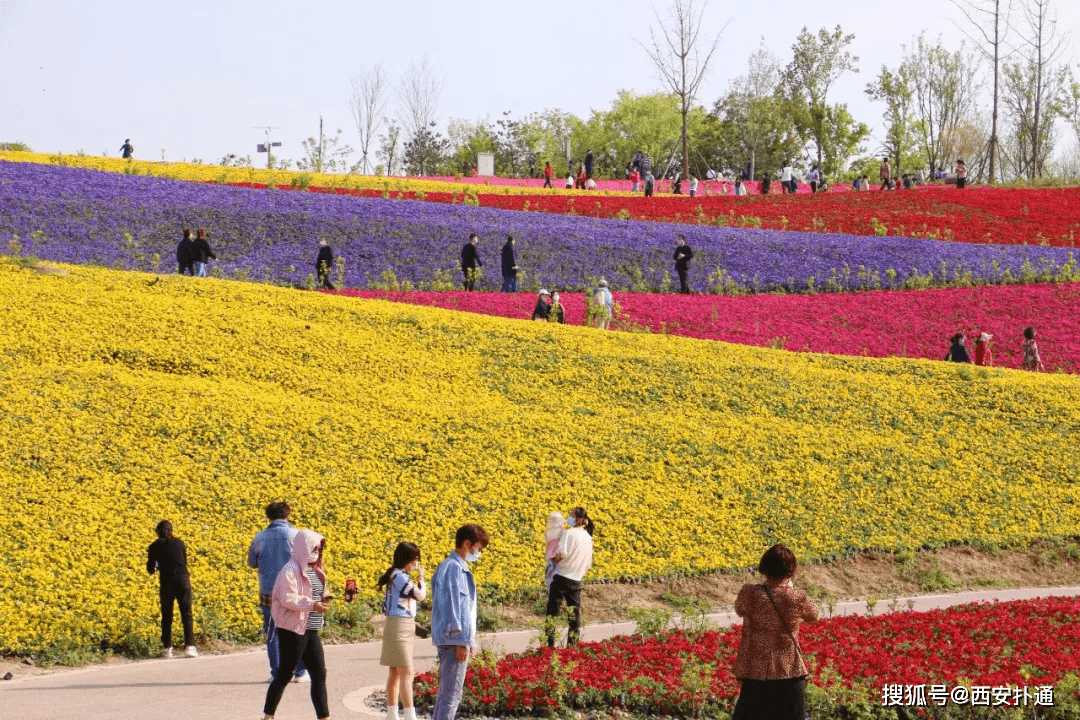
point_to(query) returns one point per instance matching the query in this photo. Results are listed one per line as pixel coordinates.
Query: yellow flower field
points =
(225, 175)
(126, 398)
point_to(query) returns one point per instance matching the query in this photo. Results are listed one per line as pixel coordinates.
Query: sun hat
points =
(544, 292)
(602, 283)
(984, 337)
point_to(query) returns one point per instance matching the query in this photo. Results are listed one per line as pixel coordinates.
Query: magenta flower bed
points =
(714, 187)
(911, 323)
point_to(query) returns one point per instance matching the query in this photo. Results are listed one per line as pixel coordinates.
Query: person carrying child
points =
(552, 536)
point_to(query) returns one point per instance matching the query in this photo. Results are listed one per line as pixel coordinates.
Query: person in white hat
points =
(983, 356)
(543, 306)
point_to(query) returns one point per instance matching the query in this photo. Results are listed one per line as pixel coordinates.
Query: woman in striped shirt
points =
(399, 634)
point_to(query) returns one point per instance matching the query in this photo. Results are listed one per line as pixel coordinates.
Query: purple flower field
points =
(84, 216)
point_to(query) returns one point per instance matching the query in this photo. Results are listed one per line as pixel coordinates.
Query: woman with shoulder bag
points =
(770, 664)
(399, 634)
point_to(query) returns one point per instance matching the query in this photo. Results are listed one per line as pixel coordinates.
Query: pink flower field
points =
(909, 323)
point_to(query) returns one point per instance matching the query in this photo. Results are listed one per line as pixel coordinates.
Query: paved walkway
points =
(215, 687)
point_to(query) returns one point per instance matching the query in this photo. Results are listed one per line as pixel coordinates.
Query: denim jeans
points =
(273, 647)
(451, 683)
(509, 284)
(200, 269)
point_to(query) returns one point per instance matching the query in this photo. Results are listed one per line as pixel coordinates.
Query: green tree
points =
(467, 139)
(650, 123)
(325, 154)
(894, 89)
(425, 152)
(817, 63)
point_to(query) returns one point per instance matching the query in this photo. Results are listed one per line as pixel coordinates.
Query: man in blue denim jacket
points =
(269, 552)
(453, 617)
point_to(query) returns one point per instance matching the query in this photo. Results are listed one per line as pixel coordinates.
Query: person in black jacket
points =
(201, 253)
(543, 306)
(184, 250)
(470, 261)
(324, 263)
(588, 164)
(683, 255)
(168, 556)
(509, 266)
(958, 353)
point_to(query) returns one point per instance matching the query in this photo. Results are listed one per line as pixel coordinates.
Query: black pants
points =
(294, 647)
(569, 590)
(961, 182)
(324, 281)
(684, 288)
(771, 700)
(470, 278)
(180, 592)
(188, 266)
(813, 186)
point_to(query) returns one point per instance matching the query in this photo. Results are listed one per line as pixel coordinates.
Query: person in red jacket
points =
(983, 356)
(547, 176)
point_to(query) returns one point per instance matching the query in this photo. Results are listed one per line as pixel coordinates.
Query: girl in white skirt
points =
(399, 635)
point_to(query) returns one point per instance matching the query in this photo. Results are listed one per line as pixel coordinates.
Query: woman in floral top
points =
(1032, 361)
(770, 664)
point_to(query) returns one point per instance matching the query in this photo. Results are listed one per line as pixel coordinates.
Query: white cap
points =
(544, 292)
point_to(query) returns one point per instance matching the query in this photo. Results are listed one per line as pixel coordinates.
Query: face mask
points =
(472, 556)
(571, 521)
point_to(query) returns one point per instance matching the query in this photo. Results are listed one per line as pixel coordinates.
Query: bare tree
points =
(419, 94)
(680, 61)
(368, 106)
(991, 23)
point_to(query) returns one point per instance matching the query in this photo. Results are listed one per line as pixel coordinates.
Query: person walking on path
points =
(509, 266)
(983, 356)
(683, 256)
(1031, 361)
(201, 253)
(957, 353)
(543, 306)
(556, 313)
(470, 261)
(299, 600)
(399, 634)
(572, 562)
(453, 617)
(603, 301)
(885, 173)
(168, 557)
(127, 150)
(769, 664)
(184, 252)
(961, 174)
(588, 164)
(548, 172)
(324, 263)
(269, 551)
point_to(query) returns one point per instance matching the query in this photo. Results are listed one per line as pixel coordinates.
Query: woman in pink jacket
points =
(297, 606)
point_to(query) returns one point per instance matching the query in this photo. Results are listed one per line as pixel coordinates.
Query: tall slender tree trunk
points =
(994, 113)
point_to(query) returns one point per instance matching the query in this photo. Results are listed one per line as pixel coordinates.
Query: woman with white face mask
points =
(572, 562)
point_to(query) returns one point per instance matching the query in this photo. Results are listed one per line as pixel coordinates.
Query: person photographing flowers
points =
(572, 562)
(399, 634)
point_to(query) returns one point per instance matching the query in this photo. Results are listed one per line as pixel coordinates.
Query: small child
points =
(551, 544)
(569, 181)
(983, 356)
(1032, 361)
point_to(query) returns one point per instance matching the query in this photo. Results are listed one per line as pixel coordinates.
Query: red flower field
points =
(904, 323)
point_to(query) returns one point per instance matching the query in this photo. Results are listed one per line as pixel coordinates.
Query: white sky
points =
(194, 78)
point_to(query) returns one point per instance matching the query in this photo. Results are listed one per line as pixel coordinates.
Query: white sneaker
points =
(190, 651)
(166, 653)
(302, 678)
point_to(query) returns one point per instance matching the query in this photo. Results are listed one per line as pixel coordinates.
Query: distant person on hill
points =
(556, 313)
(552, 536)
(184, 253)
(908, 182)
(885, 173)
(957, 352)
(569, 180)
(573, 559)
(1031, 361)
(548, 172)
(786, 174)
(769, 665)
(740, 189)
(766, 180)
(635, 180)
(269, 552)
(590, 184)
(168, 557)
(543, 306)
(588, 164)
(983, 356)
(453, 618)
(815, 178)
(677, 190)
(324, 263)
(399, 634)
(693, 186)
(579, 184)
(509, 267)
(961, 174)
(127, 150)
(201, 253)
(650, 183)
(603, 301)
(470, 261)
(683, 256)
